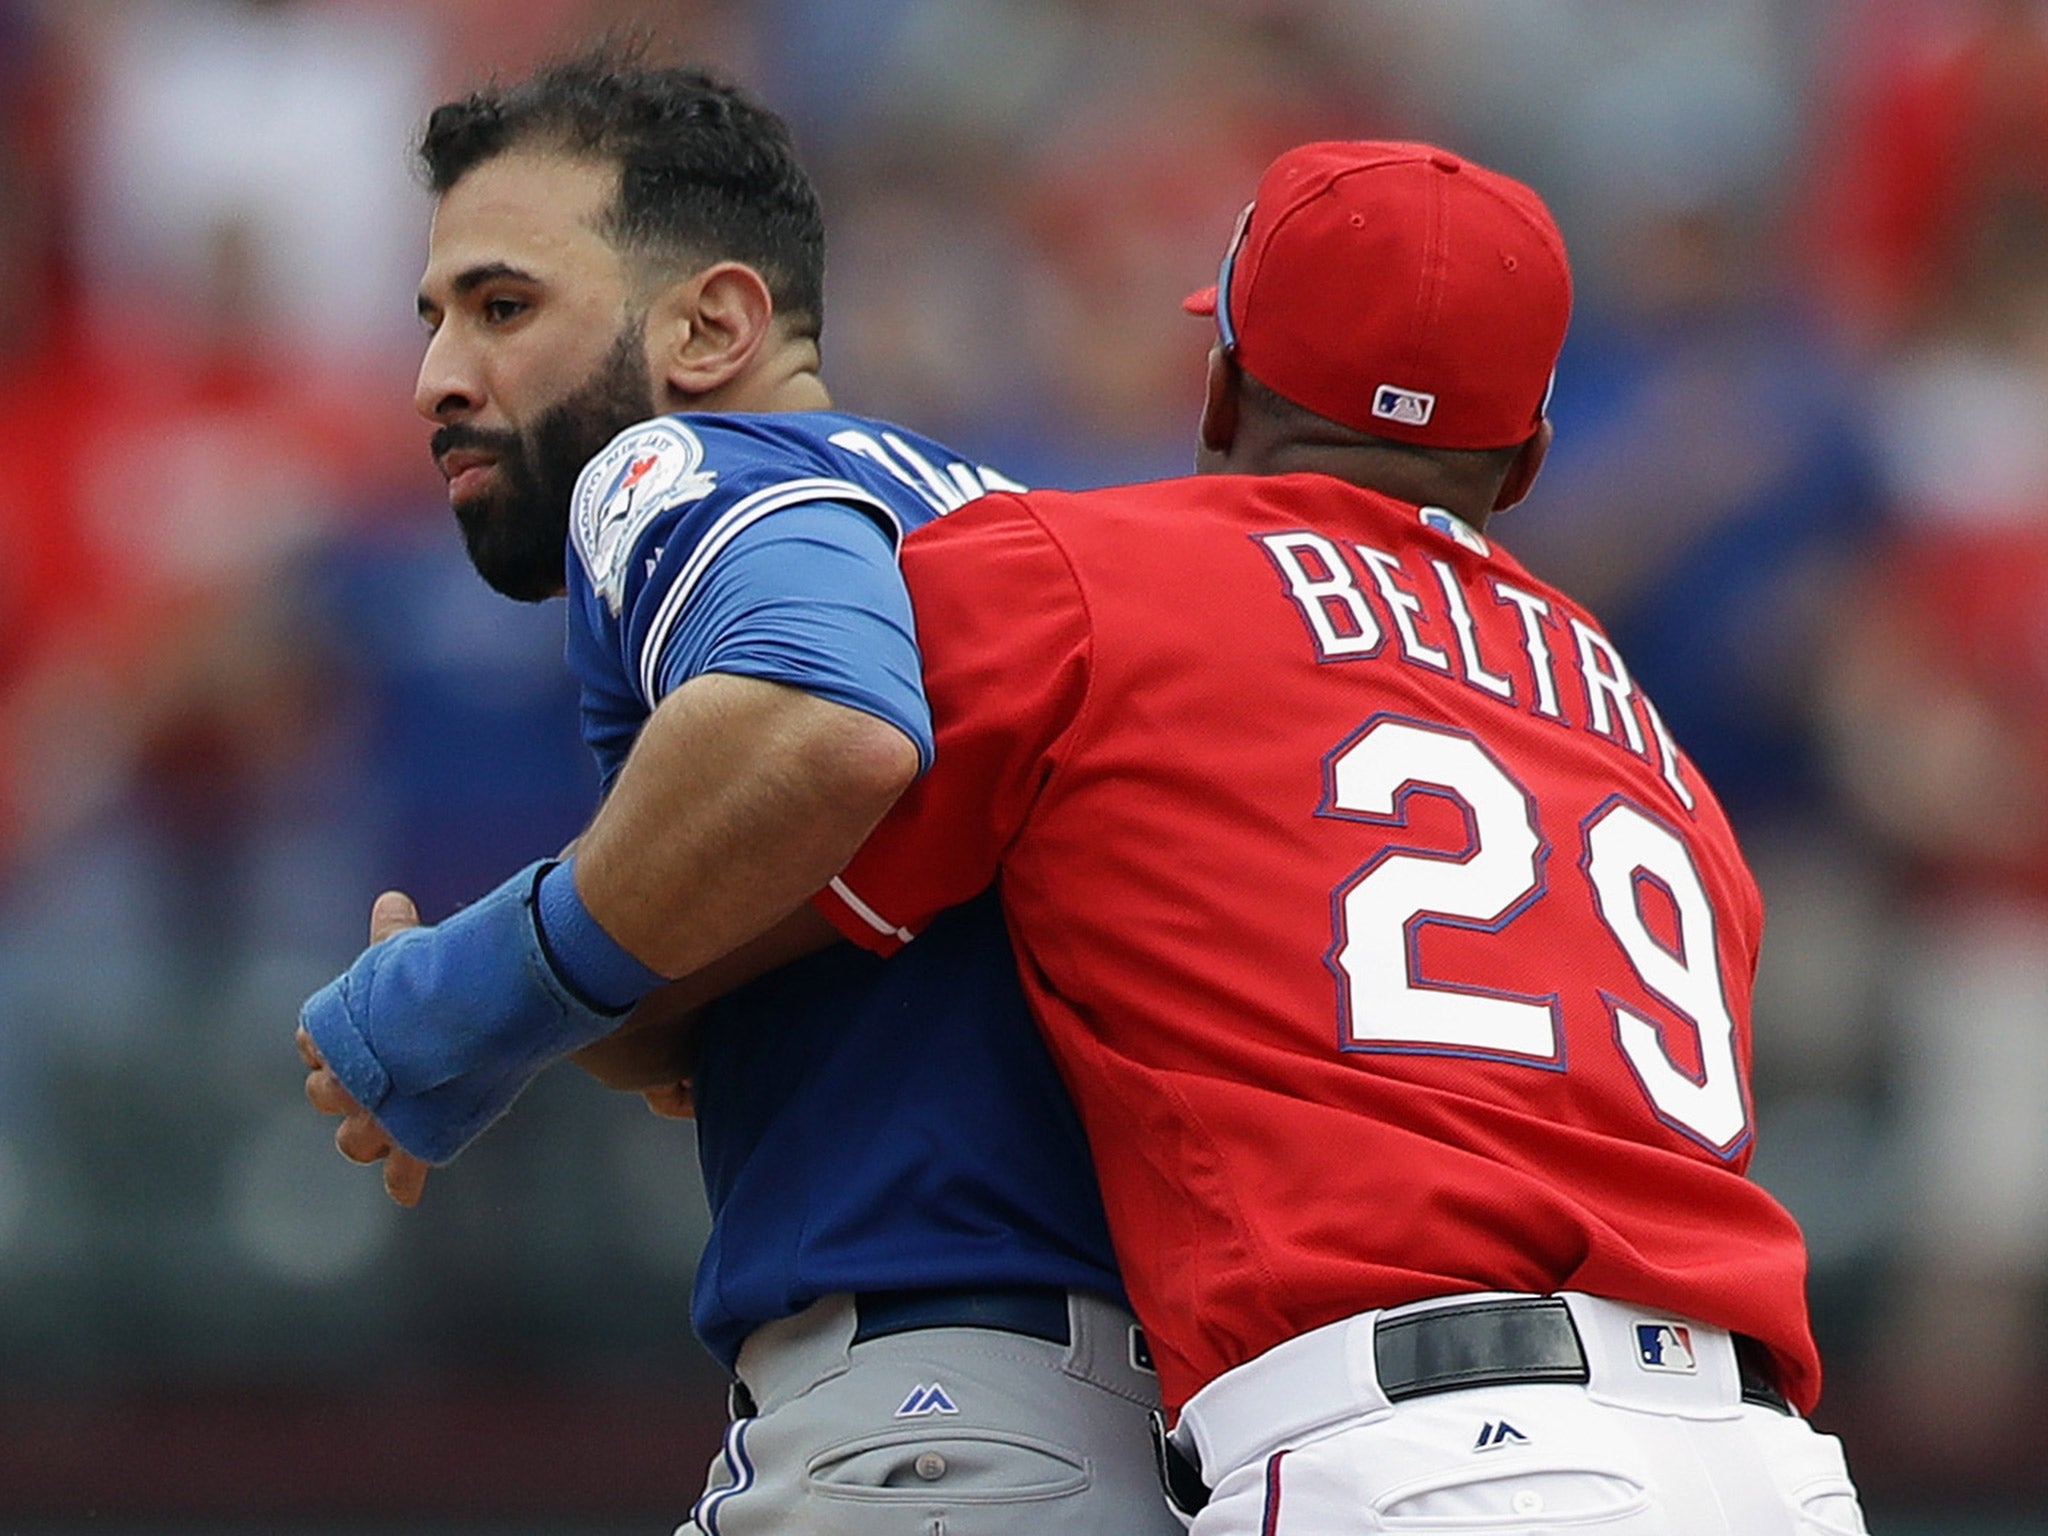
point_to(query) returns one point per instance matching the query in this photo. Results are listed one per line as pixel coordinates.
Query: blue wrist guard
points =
(585, 958)
(437, 1030)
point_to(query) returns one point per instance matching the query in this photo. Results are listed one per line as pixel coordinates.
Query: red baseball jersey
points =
(1388, 944)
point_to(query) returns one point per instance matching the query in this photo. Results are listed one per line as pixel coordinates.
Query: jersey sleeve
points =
(811, 597)
(694, 555)
(1007, 654)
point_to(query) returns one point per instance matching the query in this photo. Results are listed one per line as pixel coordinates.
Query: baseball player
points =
(908, 1269)
(1399, 960)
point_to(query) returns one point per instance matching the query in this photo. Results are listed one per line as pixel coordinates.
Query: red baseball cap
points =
(1398, 289)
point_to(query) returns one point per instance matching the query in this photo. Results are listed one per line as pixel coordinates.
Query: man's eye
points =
(497, 311)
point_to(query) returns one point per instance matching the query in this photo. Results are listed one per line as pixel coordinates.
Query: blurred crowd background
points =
(247, 678)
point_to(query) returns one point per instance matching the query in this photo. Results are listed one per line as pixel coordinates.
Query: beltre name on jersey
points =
(1329, 581)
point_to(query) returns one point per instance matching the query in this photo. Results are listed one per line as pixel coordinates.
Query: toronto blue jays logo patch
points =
(645, 471)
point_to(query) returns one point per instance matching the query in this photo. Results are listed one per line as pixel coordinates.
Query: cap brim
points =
(1201, 302)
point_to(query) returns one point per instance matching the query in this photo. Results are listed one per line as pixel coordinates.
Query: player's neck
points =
(802, 392)
(785, 379)
(788, 382)
(1405, 476)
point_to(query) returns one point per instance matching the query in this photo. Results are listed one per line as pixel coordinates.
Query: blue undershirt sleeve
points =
(809, 596)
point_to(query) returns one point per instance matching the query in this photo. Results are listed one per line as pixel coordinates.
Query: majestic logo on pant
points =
(1666, 1347)
(1493, 1436)
(924, 1400)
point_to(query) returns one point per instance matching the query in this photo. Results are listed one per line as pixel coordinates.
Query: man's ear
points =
(1522, 472)
(1220, 402)
(704, 331)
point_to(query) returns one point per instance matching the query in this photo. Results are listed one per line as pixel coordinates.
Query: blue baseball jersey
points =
(862, 1124)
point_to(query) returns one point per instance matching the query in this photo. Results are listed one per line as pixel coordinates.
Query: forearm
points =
(740, 799)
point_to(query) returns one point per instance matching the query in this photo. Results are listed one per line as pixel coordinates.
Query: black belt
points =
(1501, 1343)
(1479, 1344)
(1495, 1343)
(1036, 1311)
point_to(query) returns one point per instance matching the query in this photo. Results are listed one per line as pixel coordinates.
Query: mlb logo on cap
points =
(1666, 1347)
(1408, 406)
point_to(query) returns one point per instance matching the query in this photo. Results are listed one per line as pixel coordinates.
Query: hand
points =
(437, 1028)
(359, 1137)
(672, 1101)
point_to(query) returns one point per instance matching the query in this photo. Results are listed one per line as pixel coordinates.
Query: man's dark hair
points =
(705, 172)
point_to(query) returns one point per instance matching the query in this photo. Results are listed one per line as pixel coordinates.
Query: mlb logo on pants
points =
(1666, 1347)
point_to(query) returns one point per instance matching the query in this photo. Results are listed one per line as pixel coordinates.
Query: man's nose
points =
(447, 388)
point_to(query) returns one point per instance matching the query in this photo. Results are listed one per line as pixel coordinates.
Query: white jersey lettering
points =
(1667, 752)
(943, 490)
(1338, 616)
(1606, 681)
(1535, 645)
(1468, 641)
(1352, 596)
(868, 448)
(1403, 606)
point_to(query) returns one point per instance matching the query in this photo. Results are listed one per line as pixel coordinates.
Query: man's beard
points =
(516, 531)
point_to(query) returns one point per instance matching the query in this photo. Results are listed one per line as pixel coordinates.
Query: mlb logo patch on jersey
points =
(645, 471)
(1666, 1347)
(1454, 527)
(1409, 407)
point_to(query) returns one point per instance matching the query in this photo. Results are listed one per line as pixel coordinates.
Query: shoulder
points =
(999, 562)
(644, 473)
(1044, 539)
(704, 477)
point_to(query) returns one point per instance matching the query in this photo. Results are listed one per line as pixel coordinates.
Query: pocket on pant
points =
(1832, 1512)
(1809, 1468)
(947, 1469)
(1550, 1498)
